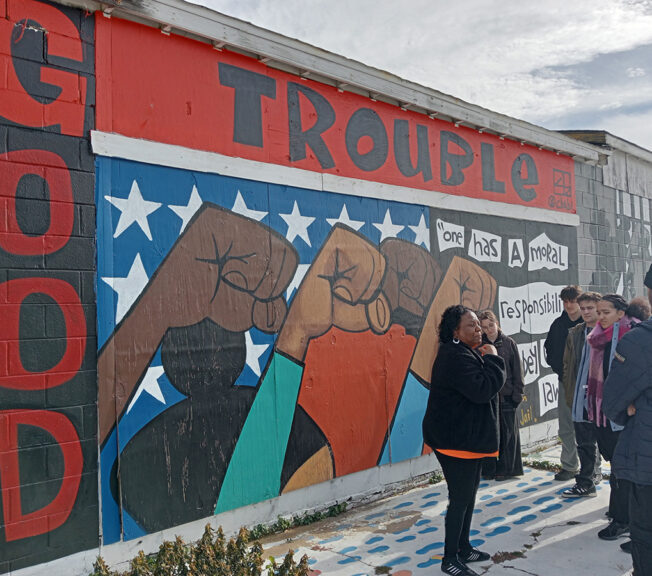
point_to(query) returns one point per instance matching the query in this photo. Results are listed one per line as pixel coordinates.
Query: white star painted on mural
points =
(188, 211)
(296, 281)
(297, 224)
(421, 232)
(134, 209)
(344, 219)
(254, 352)
(239, 207)
(150, 385)
(128, 289)
(387, 228)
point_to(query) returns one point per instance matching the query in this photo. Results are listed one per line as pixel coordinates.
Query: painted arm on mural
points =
(464, 283)
(360, 290)
(224, 267)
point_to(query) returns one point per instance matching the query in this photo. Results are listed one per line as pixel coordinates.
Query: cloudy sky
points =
(562, 64)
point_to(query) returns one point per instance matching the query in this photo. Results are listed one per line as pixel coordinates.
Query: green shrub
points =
(210, 556)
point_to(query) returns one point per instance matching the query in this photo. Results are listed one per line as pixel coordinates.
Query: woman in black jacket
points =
(509, 461)
(461, 425)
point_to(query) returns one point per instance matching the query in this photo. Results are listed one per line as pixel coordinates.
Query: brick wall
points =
(48, 390)
(614, 239)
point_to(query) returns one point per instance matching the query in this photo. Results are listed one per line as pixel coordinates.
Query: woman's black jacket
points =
(462, 412)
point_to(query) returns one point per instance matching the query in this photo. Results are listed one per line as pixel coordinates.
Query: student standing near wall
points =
(628, 401)
(574, 384)
(613, 323)
(509, 461)
(554, 346)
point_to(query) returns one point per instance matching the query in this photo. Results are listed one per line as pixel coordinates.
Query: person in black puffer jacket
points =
(627, 400)
(509, 461)
(461, 425)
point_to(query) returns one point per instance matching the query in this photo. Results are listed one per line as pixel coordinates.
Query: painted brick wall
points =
(48, 390)
(614, 240)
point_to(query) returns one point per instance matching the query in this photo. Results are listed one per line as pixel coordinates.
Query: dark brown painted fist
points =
(228, 268)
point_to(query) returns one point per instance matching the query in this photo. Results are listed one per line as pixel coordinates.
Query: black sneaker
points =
(564, 475)
(578, 491)
(626, 546)
(614, 531)
(456, 568)
(473, 555)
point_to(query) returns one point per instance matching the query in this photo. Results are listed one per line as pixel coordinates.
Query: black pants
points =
(509, 461)
(589, 455)
(606, 440)
(640, 528)
(462, 477)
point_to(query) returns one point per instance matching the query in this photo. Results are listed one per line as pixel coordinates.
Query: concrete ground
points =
(523, 522)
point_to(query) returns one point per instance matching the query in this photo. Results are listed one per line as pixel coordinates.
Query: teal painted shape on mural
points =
(254, 472)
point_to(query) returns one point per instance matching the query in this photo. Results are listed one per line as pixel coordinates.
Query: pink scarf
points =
(598, 340)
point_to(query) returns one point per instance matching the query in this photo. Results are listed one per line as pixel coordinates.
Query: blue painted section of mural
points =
(406, 438)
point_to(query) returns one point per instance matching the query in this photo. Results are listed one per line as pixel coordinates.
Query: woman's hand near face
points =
(487, 349)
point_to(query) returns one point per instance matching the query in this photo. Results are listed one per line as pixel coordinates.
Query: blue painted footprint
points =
(517, 510)
(552, 508)
(430, 548)
(498, 530)
(526, 518)
(429, 563)
(491, 521)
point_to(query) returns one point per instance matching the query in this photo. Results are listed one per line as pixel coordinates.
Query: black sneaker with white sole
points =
(455, 567)
(473, 555)
(626, 546)
(578, 491)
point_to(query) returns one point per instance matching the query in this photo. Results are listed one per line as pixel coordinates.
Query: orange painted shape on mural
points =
(351, 386)
(318, 468)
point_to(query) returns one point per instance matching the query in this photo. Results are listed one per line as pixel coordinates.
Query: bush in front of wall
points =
(210, 556)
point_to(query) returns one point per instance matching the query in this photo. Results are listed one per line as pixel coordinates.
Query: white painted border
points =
(118, 146)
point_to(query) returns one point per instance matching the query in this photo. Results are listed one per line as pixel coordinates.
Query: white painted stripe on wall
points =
(146, 151)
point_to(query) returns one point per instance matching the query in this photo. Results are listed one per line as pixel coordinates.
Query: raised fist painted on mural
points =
(340, 289)
(410, 280)
(356, 363)
(464, 283)
(226, 268)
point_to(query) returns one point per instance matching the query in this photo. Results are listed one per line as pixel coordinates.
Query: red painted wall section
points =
(192, 95)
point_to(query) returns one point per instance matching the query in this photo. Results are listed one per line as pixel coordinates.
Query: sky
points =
(560, 64)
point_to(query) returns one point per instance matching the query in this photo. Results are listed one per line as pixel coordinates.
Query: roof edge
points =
(226, 31)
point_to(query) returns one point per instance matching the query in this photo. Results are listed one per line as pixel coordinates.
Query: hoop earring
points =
(456, 341)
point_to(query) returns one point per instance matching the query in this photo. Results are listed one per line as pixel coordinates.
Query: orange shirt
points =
(467, 455)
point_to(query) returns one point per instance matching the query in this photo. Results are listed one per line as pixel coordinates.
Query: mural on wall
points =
(247, 326)
(48, 440)
(530, 262)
